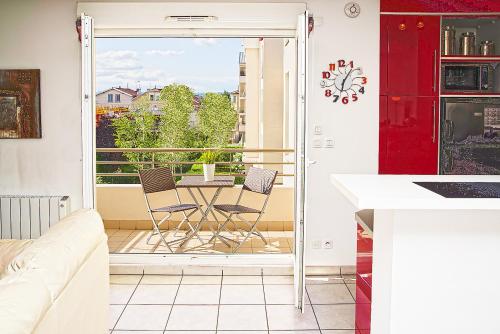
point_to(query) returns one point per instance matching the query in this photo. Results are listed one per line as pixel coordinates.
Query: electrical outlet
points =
(329, 143)
(316, 244)
(318, 130)
(327, 244)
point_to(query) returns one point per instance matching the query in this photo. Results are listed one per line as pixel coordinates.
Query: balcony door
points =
(286, 24)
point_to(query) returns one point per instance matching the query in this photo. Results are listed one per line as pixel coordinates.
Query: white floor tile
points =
(337, 331)
(161, 279)
(242, 317)
(241, 332)
(334, 279)
(242, 294)
(137, 332)
(295, 332)
(198, 294)
(201, 279)
(242, 280)
(188, 332)
(339, 316)
(278, 279)
(193, 317)
(144, 317)
(280, 294)
(203, 271)
(329, 294)
(352, 289)
(288, 317)
(120, 294)
(124, 279)
(154, 294)
(114, 314)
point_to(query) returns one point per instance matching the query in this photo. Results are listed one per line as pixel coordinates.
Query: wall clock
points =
(343, 82)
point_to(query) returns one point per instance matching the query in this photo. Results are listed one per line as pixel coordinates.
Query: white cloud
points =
(165, 52)
(118, 60)
(205, 41)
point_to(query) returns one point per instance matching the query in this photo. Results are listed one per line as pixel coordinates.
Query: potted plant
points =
(208, 159)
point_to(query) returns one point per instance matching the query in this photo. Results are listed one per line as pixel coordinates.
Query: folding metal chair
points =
(158, 180)
(258, 180)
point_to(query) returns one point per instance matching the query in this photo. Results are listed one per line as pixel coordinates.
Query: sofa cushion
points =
(9, 249)
(23, 302)
(57, 255)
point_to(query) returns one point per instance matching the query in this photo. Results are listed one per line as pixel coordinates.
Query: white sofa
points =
(58, 283)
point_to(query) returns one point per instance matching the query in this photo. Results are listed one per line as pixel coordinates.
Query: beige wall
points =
(126, 202)
(41, 34)
(252, 97)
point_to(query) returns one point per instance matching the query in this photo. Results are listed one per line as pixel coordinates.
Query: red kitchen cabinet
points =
(410, 135)
(410, 55)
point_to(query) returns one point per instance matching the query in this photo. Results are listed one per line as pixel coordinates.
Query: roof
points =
(126, 91)
(151, 90)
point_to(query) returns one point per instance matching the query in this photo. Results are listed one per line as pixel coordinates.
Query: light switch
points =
(317, 130)
(329, 143)
(317, 143)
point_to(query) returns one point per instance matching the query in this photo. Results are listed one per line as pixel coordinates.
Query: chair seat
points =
(175, 208)
(233, 208)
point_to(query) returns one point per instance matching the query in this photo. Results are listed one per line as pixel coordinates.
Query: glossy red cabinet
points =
(412, 44)
(409, 128)
(364, 255)
(409, 91)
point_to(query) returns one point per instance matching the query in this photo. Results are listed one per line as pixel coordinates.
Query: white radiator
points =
(28, 217)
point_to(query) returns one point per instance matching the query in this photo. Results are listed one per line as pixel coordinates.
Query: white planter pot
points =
(209, 172)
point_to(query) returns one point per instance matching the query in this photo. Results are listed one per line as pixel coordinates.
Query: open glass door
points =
(300, 159)
(88, 112)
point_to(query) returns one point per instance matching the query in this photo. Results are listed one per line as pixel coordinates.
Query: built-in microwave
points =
(467, 78)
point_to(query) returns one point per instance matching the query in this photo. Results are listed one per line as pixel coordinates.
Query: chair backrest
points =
(260, 180)
(156, 179)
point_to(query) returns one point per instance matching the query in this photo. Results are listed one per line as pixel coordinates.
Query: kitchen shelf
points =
(464, 59)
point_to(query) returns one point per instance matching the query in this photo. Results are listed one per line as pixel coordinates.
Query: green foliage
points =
(209, 157)
(137, 129)
(217, 119)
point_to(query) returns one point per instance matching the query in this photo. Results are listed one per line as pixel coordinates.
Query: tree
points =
(136, 129)
(217, 119)
(174, 125)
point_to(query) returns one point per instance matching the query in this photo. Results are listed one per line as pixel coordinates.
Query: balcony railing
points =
(229, 163)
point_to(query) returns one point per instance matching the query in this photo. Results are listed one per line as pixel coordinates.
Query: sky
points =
(204, 64)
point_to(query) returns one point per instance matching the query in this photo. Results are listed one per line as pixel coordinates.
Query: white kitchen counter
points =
(399, 192)
(436, 260)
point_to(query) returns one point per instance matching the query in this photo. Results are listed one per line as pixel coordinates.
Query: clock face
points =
(344, 82)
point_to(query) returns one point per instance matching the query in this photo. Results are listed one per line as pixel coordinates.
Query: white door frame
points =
(283, 31)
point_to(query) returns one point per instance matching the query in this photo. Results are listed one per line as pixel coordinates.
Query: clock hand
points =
(343, 81)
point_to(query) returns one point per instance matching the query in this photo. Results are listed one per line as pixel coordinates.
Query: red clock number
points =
(341, 63)
(332, 67)
(326, 75)
(365, 80)
(345, 100)
(351, 63)
(328, 92)
(354, 97)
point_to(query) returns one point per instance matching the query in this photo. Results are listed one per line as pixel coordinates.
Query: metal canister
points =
(487, 48)
(448, 40)
(468, 44)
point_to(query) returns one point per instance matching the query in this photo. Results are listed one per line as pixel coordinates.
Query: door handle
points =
(434, 72)
(434, 121)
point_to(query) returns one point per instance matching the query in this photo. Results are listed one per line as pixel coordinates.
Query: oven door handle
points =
(433, 121)
(449, 129)
(434, 73)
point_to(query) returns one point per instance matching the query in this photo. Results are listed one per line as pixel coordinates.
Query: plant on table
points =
(208, 158)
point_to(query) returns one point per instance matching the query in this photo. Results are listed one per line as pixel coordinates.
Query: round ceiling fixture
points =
(352, 9)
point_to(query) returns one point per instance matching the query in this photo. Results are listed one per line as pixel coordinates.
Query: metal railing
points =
(156, 157)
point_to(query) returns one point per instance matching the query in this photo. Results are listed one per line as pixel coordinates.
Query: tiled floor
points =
(158, 304)
(134, 241)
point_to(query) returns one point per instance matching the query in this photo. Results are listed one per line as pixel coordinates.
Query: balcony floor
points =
(134, 242)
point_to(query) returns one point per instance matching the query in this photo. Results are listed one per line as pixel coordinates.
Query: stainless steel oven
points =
(470, 136)
(467, 78)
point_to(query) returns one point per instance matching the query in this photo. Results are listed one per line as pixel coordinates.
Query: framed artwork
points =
(20, 104)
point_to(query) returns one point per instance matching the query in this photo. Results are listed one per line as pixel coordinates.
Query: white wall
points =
(40, 34)
(354, 127)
